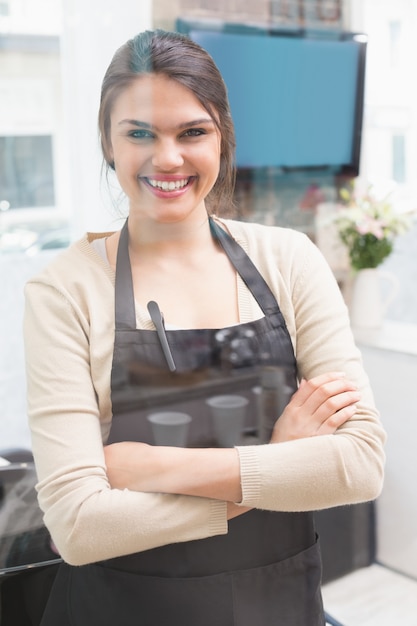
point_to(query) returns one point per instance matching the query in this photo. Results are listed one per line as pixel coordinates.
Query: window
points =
(4, 8)
(395, 32)
(398, 158)
(26, 173)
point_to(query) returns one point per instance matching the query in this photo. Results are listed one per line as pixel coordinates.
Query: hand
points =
(319, 407)
(130, 465)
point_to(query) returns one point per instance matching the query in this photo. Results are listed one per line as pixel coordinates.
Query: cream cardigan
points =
(69, 333)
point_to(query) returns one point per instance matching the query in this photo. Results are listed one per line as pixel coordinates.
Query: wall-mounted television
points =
(296, 97)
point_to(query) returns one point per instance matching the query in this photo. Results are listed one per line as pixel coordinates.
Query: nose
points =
(167, 155)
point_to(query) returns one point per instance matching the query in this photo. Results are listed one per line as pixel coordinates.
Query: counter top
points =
(394, 336)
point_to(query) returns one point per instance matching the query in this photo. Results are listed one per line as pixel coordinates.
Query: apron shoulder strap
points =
(249, 274)
(125, 313)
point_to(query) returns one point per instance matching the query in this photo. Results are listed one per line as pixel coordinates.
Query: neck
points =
(168, 238)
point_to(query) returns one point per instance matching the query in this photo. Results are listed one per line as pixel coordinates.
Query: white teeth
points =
(166, 185)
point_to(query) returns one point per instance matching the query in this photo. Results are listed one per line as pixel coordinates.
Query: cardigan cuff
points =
(218, 518)
(249, 475)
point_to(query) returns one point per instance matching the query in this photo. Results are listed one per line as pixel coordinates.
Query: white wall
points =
(92, 31)
(393, 377)
(42, 17)
(391, 92)
(17, 268)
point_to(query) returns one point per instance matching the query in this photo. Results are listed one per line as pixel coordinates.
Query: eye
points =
(194, 132)
(141, 133)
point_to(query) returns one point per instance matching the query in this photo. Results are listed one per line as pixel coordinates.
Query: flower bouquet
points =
(368, 226)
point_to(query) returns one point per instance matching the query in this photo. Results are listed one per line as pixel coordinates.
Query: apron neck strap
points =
(125, 313)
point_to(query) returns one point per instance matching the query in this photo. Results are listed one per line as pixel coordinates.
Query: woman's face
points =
(165, 147)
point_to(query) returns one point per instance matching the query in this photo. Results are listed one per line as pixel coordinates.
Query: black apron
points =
(267, 570)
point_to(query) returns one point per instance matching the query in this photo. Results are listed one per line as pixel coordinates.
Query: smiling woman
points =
(133, 60)
(179, 306)
(163, 146)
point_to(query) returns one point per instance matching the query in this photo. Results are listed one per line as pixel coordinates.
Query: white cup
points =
(170, 428)
(228, 414)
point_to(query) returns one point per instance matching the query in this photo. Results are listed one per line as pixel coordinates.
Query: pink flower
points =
(372, 226)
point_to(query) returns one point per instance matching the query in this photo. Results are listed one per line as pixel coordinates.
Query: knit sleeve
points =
(88, 520)
(329, 470)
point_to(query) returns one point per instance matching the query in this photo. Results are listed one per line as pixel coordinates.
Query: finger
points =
(308, 387)
(330, 409)
(326, 396)
(335, 403)
(310, 417)
(335, 421)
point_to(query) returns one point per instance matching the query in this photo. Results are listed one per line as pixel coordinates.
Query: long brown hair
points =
(179, 58)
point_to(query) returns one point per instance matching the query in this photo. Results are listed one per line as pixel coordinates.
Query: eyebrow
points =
(138, 123)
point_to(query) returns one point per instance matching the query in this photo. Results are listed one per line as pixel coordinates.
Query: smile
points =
(168, 185)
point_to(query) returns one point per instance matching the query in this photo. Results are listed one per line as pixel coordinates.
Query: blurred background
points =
(53, 54)
(336, 77)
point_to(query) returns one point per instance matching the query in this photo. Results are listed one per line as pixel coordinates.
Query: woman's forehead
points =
(159, 101)
(151, 91)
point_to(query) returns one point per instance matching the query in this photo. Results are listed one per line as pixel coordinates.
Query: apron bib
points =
(267, 570)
